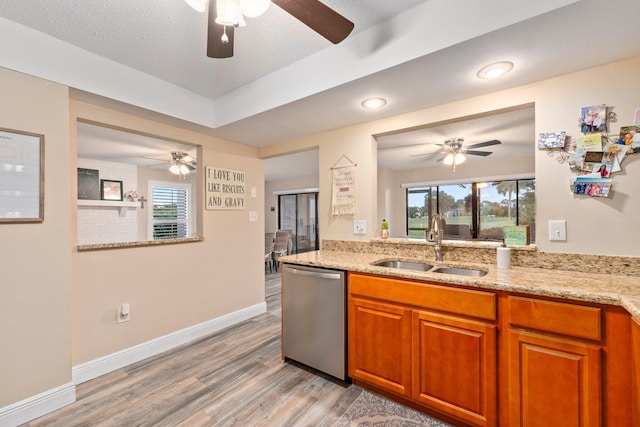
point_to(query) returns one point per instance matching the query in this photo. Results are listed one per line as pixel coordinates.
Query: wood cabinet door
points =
(380, 344)
(454, 366)
(553, 381)
(635, 373)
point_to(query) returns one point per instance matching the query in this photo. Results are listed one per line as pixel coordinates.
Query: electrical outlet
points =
(360, 227)
(558, 230)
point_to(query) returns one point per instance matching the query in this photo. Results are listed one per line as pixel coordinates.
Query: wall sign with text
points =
(224, 189)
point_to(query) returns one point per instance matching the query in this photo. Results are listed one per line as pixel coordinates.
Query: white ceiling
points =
(285, 81)
(115, 145)
(415, 148)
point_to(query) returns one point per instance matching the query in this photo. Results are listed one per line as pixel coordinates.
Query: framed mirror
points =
(21, 176)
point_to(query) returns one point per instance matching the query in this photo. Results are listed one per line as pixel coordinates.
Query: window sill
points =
(479, 244)
(124, 245)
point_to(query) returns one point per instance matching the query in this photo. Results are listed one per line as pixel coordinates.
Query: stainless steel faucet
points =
(437, 232)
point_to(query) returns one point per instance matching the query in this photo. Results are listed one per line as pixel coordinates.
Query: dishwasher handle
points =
(317, 274)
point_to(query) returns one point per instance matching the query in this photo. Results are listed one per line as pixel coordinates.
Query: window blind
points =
(170, 212)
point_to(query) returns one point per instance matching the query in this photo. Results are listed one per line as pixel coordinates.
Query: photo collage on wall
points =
(595, 157)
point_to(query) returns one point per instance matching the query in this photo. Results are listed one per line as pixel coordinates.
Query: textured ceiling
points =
(167, 38)
(285, 81)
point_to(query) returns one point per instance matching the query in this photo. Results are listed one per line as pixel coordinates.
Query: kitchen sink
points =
(404, 265)
(459, 271)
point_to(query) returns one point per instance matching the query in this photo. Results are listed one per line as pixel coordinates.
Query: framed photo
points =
(593, 119)
(88, 184)
(21, 176)
(110, 190)
(552, 139)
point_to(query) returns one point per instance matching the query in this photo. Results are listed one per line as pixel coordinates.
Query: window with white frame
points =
(169, 210)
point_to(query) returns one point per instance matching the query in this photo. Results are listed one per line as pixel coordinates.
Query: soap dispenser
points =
(384, 229)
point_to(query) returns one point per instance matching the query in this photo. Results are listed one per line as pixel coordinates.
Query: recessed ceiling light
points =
(495, 70)
(374, 103)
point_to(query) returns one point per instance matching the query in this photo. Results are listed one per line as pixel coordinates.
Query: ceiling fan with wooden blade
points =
(314, 14)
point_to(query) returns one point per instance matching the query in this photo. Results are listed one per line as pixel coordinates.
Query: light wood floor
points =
(232, 378)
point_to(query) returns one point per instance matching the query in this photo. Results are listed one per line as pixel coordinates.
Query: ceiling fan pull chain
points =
(224, 38)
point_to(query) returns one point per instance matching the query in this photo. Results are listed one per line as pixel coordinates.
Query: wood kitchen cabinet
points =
(432, 344)
(382, 353)
(454, 366)
(554, 364)
(445, 349)
(635, 372)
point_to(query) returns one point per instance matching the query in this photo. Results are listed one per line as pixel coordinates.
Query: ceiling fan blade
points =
(319, 17)
(155, 158)
(215, 47)
(484, 144)
(477, 153)
(425, 154)
(440, 159)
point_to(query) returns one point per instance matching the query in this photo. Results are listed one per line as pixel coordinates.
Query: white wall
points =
(104, 224)
(557, 107)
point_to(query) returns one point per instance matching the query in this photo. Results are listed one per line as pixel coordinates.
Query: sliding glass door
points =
(299, 213)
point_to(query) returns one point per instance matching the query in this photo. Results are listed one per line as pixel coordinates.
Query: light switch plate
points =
(360, 227)
(558, 230)
(253, 216)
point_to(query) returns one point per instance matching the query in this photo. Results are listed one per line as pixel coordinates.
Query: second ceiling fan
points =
(226, 15)
(454, 153)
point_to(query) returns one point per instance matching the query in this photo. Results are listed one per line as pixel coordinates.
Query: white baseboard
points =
(94, 368)
(51, 400)
(38, 405)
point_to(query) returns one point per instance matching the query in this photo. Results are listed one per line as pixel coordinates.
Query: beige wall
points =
(557, 107)
(35, 289)
(170, 288)
(57, 305)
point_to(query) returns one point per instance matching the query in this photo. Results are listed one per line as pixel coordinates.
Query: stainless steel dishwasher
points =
(313, 318)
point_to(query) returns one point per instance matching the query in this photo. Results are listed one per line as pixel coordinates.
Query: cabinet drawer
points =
(560, 318)
(466, 302)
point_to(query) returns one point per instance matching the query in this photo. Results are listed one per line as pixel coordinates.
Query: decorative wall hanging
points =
(110, 190)
(88, 184)
(224, 189)
(595, 155)
(343, 194)
(21, 176)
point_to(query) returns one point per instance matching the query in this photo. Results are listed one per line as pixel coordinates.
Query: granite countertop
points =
(610, 289)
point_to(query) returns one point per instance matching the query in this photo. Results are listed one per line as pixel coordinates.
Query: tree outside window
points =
(474, 210)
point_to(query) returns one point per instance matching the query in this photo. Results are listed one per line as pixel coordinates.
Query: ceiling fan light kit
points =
(455, 154)
(454, 159)
(254, 8)
(180, 165)
(229, 13)
(226, 15)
